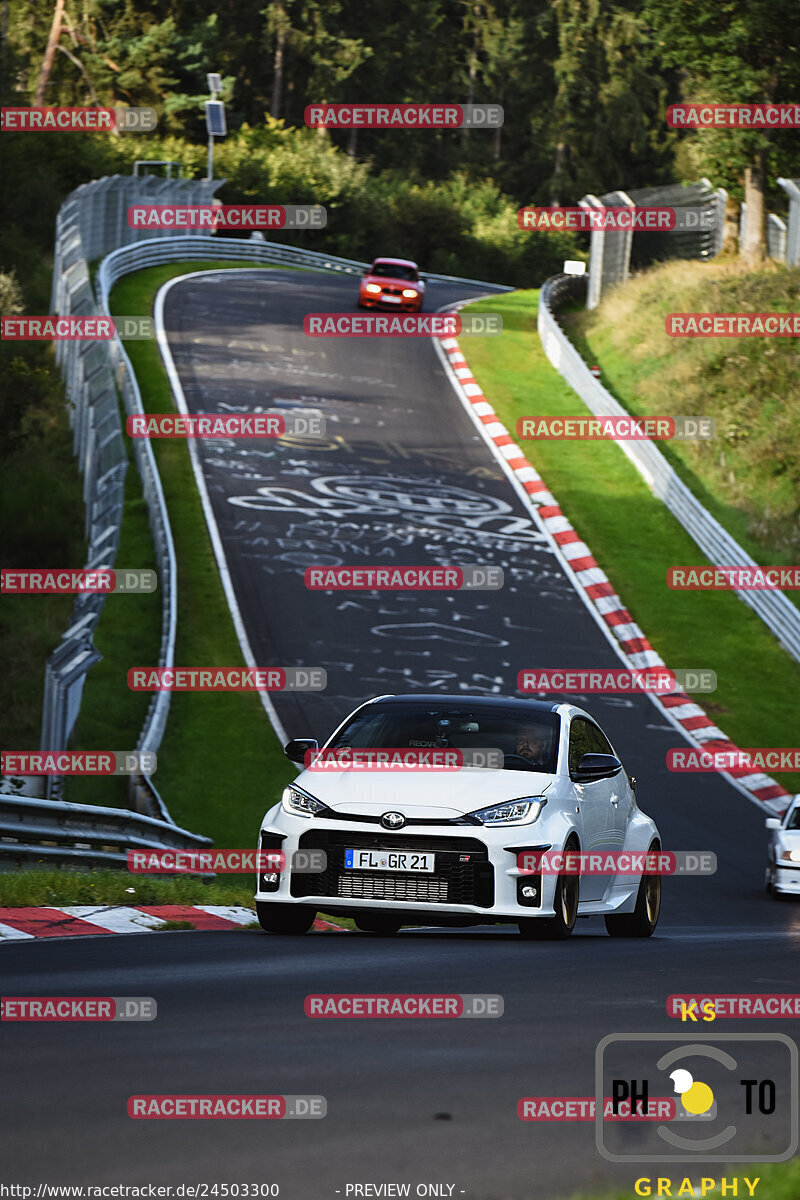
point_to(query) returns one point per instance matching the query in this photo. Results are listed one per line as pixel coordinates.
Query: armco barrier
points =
(775, 610)
(54, 833)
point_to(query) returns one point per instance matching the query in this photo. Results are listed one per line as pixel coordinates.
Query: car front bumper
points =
(786, 878)
(475, 876)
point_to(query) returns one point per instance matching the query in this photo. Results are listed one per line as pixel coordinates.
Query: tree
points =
(733, 52)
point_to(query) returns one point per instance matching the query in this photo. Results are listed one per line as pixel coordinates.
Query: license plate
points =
(388, 860)
(390, 299)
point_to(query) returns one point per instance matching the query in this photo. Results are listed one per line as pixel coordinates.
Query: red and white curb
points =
(592, 584)
(82, 920)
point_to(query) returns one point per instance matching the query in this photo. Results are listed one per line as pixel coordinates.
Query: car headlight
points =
(513, 812)
(410, 293)
(300, 804)
(372, 287)
(791, 855)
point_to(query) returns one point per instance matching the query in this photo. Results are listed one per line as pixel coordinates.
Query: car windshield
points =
(394, 271)
(794, 818)
(528, 740)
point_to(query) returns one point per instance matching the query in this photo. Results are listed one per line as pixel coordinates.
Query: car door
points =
(594, 802)
(620, 796)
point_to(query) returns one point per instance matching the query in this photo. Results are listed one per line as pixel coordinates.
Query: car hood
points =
(790, 838)
(421, 794)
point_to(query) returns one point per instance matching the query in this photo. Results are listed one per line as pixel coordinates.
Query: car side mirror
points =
(297, 749)
(596, 766)
(773, 823)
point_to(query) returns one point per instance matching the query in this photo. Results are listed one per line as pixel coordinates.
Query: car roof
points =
(463, 699)
(398, 262)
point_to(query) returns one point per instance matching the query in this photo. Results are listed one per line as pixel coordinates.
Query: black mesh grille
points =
(453, 882)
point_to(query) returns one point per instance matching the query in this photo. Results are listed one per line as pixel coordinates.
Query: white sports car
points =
(783, 865)
(440, 847)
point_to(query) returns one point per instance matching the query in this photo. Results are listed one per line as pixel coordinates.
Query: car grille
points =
(453, 881)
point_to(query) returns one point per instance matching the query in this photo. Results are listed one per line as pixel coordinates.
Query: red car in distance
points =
(392, 283)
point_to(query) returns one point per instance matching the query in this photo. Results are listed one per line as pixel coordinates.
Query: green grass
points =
(749, 476)
(634, 539)
(34, 889)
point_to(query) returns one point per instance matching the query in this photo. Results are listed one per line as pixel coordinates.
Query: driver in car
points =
(533, 745)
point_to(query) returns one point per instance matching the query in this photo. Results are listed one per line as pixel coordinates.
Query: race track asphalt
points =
(403, 478)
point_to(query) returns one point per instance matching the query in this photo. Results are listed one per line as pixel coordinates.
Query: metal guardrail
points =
(792, 251)
(773, 607)
(56, 833)
(614, 252)
(174, 248)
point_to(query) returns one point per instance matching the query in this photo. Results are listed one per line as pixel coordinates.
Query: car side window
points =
(579, 742)
(599, 743)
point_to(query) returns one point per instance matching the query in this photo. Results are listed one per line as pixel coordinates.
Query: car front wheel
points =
(644, 918)
(285, 918)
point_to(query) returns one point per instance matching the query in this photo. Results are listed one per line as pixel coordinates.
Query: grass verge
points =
(748, 477)
(634, 538)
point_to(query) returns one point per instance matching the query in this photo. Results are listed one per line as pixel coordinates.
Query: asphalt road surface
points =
(402, 479)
